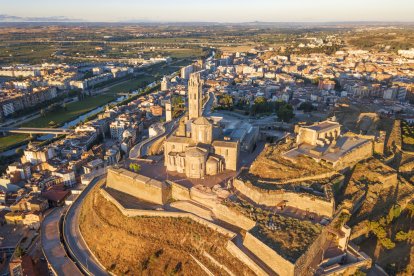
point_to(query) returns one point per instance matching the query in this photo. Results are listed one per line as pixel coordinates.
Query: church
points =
(198, 147)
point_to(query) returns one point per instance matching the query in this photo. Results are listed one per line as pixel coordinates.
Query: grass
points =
(289, 237)
(89, 103)
(11, 140)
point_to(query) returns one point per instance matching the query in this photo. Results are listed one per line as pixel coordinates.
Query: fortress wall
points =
(407, 168)
(138, 186)
(362, 152)
(179, 192)
(389, 180)
(207, 199)
(191, 207)
(314, 251)
(305, 178)
(276, 262)
(155, 213)
(297, 200)
(231, 247)
(239, 254)
(225, 214)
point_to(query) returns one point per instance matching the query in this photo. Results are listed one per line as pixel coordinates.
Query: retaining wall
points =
(239, 254)
(154, 213)
(303, 179)
(224, 213)
(179, 192)
(138, 186)
(276, 262)
(297, 200)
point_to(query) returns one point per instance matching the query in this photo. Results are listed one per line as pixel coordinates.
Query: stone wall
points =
(239, 254)
(231, 245)
(156, 213)
(207, 199)
(314, 251)
(138, 186)
(225, 214)
(302, 179)
(211, 201)
(179, 192)
(355, 155)
(276, 262)
(298, 200)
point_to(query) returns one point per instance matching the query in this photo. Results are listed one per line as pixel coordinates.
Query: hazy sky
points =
(215, 10)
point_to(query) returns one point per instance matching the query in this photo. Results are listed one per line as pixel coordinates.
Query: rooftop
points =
(323, 126)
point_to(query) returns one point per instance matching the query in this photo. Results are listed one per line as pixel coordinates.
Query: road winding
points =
(78, 250)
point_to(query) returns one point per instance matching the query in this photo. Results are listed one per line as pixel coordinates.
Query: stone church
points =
(198, 148)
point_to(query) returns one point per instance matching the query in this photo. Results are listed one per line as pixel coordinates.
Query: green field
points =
(74, 110)
(11, 140)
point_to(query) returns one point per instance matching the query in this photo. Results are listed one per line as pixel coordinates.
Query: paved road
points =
(73, 239)
(52, 247)
(142, 147)
(209, 104)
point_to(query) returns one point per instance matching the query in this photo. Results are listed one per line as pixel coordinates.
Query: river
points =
(67, 125)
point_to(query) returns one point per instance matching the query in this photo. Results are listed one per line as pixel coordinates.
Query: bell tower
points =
(195, 96)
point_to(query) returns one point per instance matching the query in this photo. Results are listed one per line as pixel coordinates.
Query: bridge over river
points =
(32, 130)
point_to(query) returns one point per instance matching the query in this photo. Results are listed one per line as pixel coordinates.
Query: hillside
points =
(153, 246)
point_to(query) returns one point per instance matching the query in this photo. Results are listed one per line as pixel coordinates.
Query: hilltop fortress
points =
(284, 203)
(323, 142)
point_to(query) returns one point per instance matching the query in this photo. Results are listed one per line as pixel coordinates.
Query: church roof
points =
(225, 144)
(201, 121)
(195, 152)
(179, 140)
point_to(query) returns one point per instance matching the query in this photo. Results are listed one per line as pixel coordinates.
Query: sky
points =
(214, 10)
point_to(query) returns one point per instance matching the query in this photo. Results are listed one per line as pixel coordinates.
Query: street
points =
(73, 238)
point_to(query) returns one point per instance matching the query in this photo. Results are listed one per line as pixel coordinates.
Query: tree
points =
(285, 113)
(387, 243)
(134, 167)
(405, 236)
(394, 212)
(65, 106)
(260, 100)
(306, 107)
(19, 252)
(19, 151)
(226, 100)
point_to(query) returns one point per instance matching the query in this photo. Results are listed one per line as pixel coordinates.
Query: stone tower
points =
(195, 96)
(168, 112)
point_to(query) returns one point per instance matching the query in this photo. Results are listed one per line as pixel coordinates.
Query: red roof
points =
(55, 195)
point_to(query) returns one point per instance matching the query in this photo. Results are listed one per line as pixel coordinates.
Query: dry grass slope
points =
(271, 165)
(152, 246)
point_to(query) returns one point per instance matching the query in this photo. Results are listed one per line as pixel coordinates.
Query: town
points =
(289, 160)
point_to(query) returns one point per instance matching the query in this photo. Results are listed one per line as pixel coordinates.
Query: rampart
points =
(231, 246)
(138, 186)
(301, 179)
(225, 214)
(268, 256)
(290, 198)
(219, 210)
